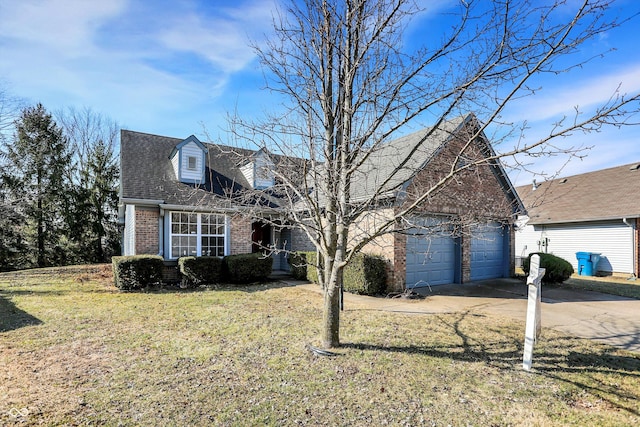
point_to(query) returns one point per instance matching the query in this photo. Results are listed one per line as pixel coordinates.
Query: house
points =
(595, 212)
(183, 197)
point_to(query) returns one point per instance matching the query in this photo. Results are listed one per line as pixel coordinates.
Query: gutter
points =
(140, 202)
(572, 221)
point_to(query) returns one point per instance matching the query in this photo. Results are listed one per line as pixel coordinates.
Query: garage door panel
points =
(487, 252)
(430, 258)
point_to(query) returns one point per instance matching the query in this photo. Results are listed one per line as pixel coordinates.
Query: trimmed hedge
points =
(365, 275)
(246, 268)
(557, 269)
(302, 263)
(196, 271)
(137, 272)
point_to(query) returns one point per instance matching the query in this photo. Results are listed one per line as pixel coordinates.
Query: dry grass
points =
(75, 351)
(614, 285)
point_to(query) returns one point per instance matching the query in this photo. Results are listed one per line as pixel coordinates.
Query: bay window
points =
(197, 234)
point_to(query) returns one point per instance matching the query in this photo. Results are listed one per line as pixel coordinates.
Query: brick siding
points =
(240, 235)
(147, 230)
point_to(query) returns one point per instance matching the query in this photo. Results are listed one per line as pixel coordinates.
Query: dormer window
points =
(188, 159)
(259, 171)
(192, 162)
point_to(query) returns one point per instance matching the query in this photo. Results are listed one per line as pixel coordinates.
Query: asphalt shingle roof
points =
(601, 195)
(147, 173)
(377, 172)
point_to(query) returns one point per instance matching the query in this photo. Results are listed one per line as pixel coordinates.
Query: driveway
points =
(601, 317)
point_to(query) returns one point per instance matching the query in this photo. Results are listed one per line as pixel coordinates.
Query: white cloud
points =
(223, 39)
(553, 101)
(148, 67)
(63, 26)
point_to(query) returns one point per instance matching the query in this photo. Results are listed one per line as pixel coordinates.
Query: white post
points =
(533, 326)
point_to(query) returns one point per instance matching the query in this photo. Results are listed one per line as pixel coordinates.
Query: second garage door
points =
(487, 252)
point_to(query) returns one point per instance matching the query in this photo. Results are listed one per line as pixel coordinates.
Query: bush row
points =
(557, 269)
(365, 274)
(141, 271)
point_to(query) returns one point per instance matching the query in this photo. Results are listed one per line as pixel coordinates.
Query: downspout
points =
(161, 233)
(633, 248)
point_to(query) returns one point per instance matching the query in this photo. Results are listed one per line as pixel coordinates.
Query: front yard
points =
(74, 350)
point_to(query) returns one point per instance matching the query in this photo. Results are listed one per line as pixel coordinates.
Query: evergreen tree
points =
(95, 175)
(36, 182)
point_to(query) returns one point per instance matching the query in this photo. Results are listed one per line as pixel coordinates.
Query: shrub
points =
(365, 275)
(299, 263)
(137, 272)
(557, 269)
(312, 270)
(196, 271)
(245, 268)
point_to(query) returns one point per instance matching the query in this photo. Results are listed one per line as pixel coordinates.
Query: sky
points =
(178, 67)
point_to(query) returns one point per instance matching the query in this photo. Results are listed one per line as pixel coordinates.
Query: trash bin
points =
(595, 258)
(587, 263)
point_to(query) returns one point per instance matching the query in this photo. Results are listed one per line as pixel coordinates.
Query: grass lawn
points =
(608, 285)
(76, 351)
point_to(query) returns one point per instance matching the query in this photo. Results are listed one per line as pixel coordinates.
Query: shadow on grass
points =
(562, 358)
(11, 317)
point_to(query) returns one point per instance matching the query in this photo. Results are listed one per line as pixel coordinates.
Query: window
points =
(192, 162)
(195, 234)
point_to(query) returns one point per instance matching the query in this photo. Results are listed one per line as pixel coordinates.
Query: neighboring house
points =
(177, 199)
(595, 212)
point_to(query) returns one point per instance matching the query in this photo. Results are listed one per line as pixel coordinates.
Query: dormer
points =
(259, 170)
(188, 160)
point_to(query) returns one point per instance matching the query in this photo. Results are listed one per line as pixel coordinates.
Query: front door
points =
(260, 236)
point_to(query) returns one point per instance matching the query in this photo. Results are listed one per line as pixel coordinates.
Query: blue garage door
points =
(488, 248)
(431, 255)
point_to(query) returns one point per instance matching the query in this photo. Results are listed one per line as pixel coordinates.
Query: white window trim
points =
(198, 234)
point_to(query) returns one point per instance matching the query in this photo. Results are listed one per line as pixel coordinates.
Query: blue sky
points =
(171, 67)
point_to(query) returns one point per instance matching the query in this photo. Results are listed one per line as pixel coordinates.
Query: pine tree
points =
(37, 184)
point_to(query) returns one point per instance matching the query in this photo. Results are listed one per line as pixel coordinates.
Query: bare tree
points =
(350, 84)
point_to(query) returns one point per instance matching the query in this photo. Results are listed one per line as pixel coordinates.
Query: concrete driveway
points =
(605, 318)
(601, 317)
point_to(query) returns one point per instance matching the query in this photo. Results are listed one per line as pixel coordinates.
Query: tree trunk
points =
(331, 321)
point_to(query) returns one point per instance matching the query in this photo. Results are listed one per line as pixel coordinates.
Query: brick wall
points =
(384, 246)
(300, 241)
(240, 235)
(147, 230)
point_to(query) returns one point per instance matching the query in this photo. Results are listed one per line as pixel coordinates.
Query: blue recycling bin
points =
(587, 263)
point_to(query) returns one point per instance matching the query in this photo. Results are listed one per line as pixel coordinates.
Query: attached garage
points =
(432, 255)
(489, 249)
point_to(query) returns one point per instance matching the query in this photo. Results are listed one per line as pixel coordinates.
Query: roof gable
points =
(190, 139)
